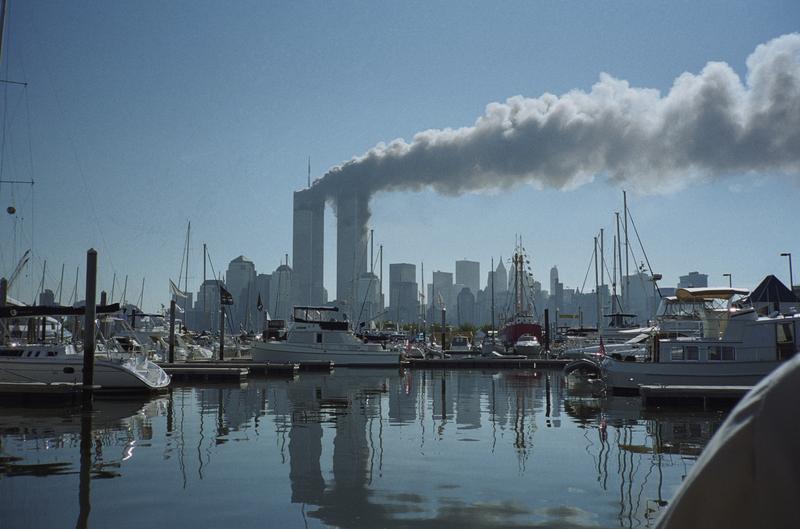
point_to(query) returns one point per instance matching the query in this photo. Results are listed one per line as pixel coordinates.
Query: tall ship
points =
(522, 319)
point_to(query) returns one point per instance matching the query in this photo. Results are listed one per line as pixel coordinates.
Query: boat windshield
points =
(318, 314)
(670, 307)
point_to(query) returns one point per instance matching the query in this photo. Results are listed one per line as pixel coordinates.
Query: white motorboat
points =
(61, 363)
(322, 334)
(527, 345)
(736, 347)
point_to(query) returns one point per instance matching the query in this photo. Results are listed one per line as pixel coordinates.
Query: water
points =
(351, 449)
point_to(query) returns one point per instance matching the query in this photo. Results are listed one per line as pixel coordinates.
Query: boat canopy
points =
(699, 294)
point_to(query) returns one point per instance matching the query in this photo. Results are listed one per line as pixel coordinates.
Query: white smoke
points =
(709, 125)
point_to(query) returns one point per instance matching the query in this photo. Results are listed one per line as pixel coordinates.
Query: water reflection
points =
(634, 457)
(357, 449)
(45, 429)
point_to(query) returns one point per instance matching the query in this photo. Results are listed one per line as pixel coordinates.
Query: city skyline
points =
(129, 137)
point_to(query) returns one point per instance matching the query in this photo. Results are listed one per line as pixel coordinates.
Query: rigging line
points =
(589, 267)
(72, 144)
(644, 252)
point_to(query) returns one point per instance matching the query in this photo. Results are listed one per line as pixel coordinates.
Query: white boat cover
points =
(749, 474)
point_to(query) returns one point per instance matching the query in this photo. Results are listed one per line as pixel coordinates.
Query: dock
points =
(472, 362)
(705, 396)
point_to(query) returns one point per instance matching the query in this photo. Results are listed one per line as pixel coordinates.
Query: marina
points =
(538, 274)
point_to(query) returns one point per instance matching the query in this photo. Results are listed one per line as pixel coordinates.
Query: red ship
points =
(522, 321)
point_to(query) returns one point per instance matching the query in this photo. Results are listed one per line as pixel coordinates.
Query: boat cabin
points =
(729, 333)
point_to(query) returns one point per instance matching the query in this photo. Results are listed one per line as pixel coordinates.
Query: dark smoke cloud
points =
(709, 125)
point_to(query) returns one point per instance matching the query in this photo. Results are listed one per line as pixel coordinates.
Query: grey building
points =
(468, 273)
(240, 281)
(308, 239)
(403, 288)
(693, 280)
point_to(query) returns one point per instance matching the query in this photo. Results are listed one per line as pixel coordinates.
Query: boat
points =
(527, 345)
(460, 345)
(41, 361)
(323, 334)
(522, 321)
(44, 363)
(737, 347)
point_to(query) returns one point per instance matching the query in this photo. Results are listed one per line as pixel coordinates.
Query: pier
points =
(483, 362)
(237, 370)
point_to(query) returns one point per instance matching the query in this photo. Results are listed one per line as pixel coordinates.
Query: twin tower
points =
(308, 243)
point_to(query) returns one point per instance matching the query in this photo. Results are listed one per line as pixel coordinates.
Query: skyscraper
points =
(468, 273)
(404, 305)
(308, 240)
(351, 245)
(240, 280)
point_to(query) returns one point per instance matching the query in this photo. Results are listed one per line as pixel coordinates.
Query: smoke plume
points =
(707, 126)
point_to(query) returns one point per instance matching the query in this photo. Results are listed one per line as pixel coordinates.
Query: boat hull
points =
(528, 350)
(108, 374)
(511, 332)
(626, 377)
(287, 353)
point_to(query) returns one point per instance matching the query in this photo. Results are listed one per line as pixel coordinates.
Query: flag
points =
(225, 297)
(178, 293)
(259, 305)
(602, 350)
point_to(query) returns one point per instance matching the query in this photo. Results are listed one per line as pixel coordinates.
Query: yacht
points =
(460, 345)
(736, 347)
(63, 364)
(322, 334)
(527, 345)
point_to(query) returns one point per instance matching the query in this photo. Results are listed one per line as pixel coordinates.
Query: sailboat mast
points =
(204, 283)
(619, 254)
(614, 278)
(41, 285)
(141, 296)
(596, 285)
(61, 284)
(74, 296)
(493, 274)
(125, 290)
(627, 272)
(3, 9)
(186, 279)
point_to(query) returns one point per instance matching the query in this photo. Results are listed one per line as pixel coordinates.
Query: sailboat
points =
(522, 321)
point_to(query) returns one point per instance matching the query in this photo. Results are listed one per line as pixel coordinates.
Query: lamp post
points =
(730, 280)
(791, 279)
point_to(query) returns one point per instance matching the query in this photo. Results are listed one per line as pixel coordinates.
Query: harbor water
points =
(356, 448)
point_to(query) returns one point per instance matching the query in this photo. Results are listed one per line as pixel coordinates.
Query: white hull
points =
(287, 353)
(108, 374)
(528, 350)
(628, 376)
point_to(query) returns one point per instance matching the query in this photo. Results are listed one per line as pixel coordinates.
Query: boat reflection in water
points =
(357, 448)
(631, 448)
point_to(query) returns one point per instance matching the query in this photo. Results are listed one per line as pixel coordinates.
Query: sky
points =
(139, 117)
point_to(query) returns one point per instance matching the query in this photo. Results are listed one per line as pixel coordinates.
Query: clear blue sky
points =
(145, 115)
